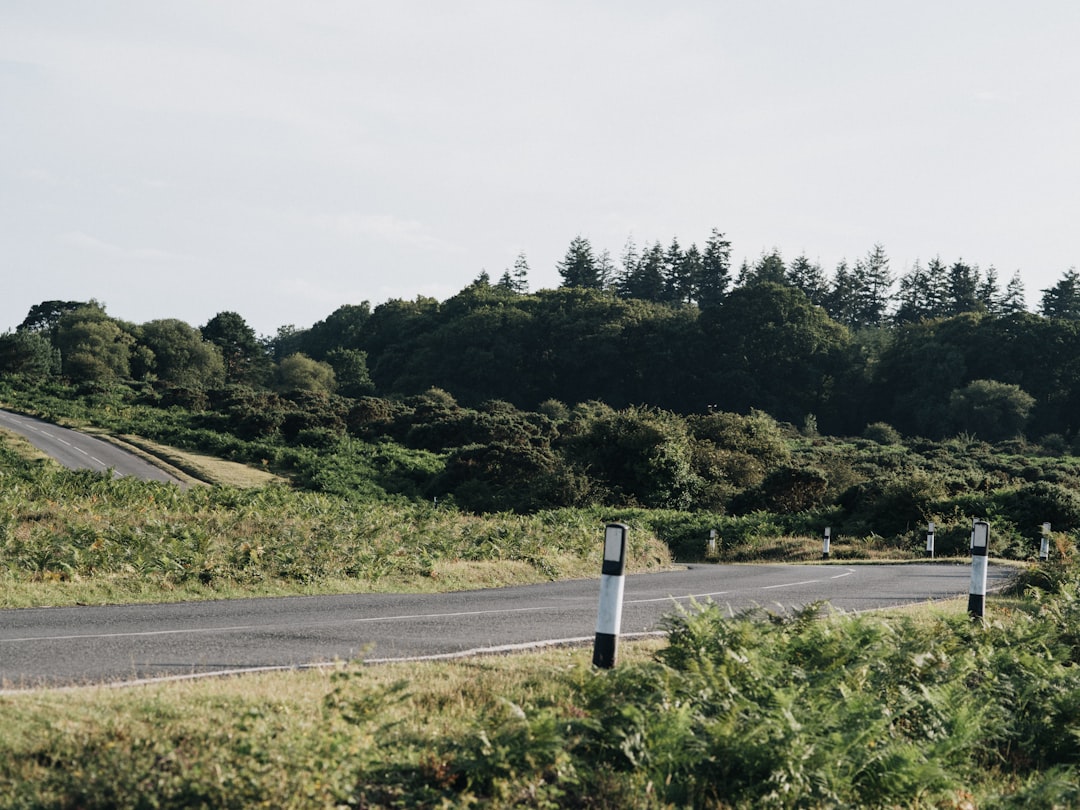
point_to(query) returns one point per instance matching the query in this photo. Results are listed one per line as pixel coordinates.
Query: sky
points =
(181, 158)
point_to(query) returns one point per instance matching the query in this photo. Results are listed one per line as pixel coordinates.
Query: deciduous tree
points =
(243, 355)
(180, 354)
(990, 409)
(93, 347)
(298, 372)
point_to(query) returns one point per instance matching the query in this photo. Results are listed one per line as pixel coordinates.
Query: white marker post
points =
(1044, 544)
(980, 545)
(609, 618)
(930, 539)
(712, 550)
(825, 543)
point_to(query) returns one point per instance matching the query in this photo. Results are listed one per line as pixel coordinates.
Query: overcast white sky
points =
(178, 158)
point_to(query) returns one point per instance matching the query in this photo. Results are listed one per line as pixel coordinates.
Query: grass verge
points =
(900, 709)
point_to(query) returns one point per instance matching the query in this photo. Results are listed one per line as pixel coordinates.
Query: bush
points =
(882, 433)
(990, 409)
(1034, 504)
(786, 490)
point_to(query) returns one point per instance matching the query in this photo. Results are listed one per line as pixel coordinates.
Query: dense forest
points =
(670, 380)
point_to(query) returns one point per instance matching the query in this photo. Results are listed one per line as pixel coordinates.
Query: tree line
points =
(863, 293)
(944, 352)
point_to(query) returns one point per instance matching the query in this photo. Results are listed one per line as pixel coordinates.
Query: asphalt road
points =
(78, 451)
(63, 646)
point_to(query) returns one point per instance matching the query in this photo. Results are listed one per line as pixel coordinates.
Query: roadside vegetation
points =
(80, 538)
(412, 493)
(918, 708)
(486, 440)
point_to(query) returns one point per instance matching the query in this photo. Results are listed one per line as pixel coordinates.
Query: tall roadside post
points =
(1044, 544)
(930, 539)
(826, 542)
(980, 545)
(609, 618)
(712, 549)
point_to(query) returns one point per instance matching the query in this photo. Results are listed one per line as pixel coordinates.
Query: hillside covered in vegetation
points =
(775, 399)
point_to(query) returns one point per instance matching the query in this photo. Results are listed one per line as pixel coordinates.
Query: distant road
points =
(78, 451)
(116, 644)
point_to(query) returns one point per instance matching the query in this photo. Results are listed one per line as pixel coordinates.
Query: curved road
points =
(123, 644)
(78, 451)
(50, 647)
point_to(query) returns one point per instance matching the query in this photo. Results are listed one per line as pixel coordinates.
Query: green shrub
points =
(882, 433)
(1031, 505)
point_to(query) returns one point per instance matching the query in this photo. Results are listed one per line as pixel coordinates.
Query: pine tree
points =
(1014, 300)
(520, 275)
(842, 301)
(1063, 299)
(624, 277)
(647, 282)
(746, 274)
(605, 270)
(988, 294)
(938, 286)
(692, 268)
(677, 283)
(714, 278)
(770, 267)
(962, 289)
(578, 267)
(917, 298)
(810, 278)
(873, 283)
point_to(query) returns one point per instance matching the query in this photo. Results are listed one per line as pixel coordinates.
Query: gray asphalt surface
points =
(78, 451)
(63, 646)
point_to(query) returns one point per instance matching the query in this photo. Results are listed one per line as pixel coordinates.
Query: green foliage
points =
(774, 351)
(298, 372)
(93, 347)
(792, 710)
(786, 490)
(1063, 299)
(44, 317)
(1033, 504)
(28, 353)
(991, 410)
(245, 361)
(351, 372)
(579, 268)
(130, 536)
(497, 457)
(641, 456)
(882, 433)
(180, 355)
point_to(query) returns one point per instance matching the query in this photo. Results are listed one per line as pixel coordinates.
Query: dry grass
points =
(196, 468)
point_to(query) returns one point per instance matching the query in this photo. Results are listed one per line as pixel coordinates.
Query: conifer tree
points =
(916, 298)
(988, 294)
(516, 280)
(808, 277)
(841, 302)
(873, 285)
(962, 288)
(578, 268)
(1063, 299)
(938, 287)
(714, 278)
(1014, 299)
(677, 281)
(624, 277)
